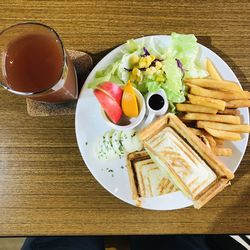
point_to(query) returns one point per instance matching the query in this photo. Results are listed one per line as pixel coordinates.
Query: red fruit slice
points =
(110, 106)
(112, 89)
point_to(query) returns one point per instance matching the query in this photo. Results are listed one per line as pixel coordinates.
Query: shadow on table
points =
(207, 41)
(98, 56)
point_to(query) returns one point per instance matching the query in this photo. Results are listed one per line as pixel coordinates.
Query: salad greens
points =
(151, 65)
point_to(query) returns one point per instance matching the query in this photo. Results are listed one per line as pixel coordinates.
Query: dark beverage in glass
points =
(35, 64)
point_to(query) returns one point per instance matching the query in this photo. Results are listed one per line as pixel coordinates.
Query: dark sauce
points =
(156, 102)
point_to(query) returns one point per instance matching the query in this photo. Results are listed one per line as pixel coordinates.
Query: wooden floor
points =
(11, 243)
(111, 243)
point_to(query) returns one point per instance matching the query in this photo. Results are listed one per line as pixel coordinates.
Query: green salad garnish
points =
(150, 65)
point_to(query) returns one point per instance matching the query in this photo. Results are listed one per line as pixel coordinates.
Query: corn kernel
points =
(132, 78)
(136, 71)
(148, 71)
(152, 58)
(158, 65)
(142, 63)
(138, 78)
(147, 64)
(153, 69)
(134, 59)
(159, 78)
(159, 72)
(148, 59)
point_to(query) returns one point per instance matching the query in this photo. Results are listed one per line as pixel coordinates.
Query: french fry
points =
(208, 140)
(238, 103)
(212, 70)
(196, 131)
(205, 141)
(214, 84)
(195, 108)
(204, 136)
(219, 141)
(195, 90)
(242, 128)
(223, 151)
(229, 112)
(210, 117)
(189, 123)
(225, 135)
(208, 102)
(211, 140)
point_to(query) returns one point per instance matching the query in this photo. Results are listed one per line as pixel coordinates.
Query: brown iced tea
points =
(35, 62)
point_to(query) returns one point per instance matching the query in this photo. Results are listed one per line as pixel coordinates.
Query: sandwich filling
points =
(180, 162)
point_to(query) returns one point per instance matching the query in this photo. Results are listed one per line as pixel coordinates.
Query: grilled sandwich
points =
(146, 178)
(187, 162)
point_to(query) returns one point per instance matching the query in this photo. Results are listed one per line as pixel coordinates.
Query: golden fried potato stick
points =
(221, 95)
(219, 141)
(238, 103)
(208, 102)
(223, 151)
(229, 112)
(185, 107)
(225, 135)
(210, 117)
(211, 140)
(242, 128)
(196, 131)
(214, 84)
(212, 70)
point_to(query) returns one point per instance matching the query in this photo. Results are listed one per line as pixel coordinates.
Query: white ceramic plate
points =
(112, 175)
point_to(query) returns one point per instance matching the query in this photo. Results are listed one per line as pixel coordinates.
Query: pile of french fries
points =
(211, 110)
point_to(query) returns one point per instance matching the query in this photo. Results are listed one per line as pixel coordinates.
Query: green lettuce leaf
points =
(153, 86)
(173, 85)
(108, 74)
(186, 49)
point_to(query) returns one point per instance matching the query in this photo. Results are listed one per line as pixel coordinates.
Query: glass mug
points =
(35, 64)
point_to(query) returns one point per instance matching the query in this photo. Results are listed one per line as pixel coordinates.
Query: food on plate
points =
(219, 141)
(109, 96)
(226, 97)
(242, 128)
(151, 65)
(223, 151)
(223, 95)
(190, 165)
(210, 117)
(224, 135)
(129, 101)
(186, 107)
(112, 90)
(207, 102)
(212, 71)
(119, 104)
(229, 111)
(214, 84)
(146, 178)
(196, 131)
(115, 144)
(238, 103)
(209, 139)
(166, 155)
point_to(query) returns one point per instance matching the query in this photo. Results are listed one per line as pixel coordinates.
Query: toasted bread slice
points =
(146, 178)
(190, 165)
